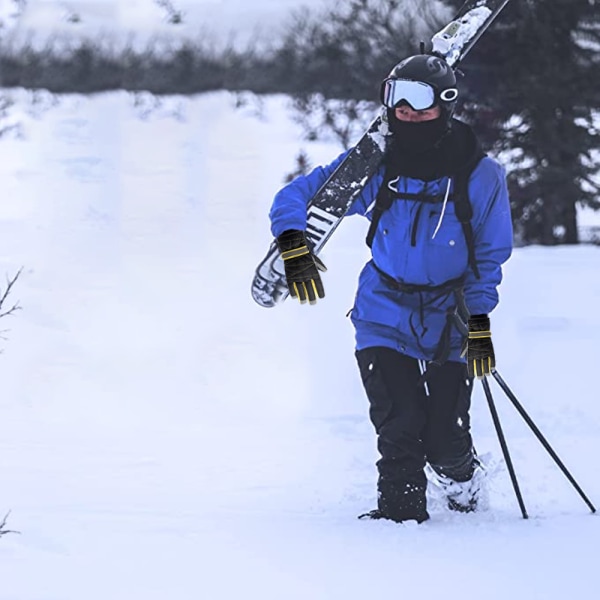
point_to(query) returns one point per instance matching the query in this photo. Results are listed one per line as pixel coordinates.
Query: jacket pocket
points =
(446, 254)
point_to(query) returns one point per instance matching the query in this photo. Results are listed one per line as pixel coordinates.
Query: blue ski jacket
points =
(415, 243)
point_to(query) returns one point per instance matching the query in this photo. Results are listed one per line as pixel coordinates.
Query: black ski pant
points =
(416, 423)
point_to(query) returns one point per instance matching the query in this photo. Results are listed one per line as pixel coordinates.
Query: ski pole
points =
(541, 438)
(505, 452)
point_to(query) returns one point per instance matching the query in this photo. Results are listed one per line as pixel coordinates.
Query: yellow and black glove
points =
(480, 351)
(301, 267)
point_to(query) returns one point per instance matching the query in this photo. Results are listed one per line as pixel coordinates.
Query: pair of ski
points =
(332, 201)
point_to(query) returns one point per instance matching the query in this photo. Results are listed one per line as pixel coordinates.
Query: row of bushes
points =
(187, 70)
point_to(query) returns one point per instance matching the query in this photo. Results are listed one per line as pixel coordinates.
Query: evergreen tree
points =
(345, 49)
(532, 91)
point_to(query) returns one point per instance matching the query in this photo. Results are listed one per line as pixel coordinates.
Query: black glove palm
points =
(301, 267)
(480, 351)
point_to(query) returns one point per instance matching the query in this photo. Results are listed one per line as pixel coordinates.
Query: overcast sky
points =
(144, 16)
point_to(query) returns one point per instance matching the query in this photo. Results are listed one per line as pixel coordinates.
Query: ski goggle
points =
(417, 94)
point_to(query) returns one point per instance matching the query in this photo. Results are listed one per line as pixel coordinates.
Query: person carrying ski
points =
(440, 231)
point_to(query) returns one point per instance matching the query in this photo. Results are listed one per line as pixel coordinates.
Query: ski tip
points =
(262, 299)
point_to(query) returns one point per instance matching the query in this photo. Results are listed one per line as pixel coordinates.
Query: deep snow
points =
(164, 437)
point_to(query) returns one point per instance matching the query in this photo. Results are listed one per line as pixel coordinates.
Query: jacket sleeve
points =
(493, 235)
(289, 207)
(288, 210)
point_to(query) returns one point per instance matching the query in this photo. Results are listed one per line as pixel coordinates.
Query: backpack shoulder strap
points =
(464, 210)
(383, 201)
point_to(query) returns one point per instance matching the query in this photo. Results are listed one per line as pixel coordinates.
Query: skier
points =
(440, 231)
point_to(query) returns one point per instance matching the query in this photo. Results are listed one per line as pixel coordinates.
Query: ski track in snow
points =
(164, 437)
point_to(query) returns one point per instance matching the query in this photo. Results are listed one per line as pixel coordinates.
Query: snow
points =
(164, 437)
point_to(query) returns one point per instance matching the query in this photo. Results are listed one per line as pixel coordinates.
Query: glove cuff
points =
(479, 327)
(290, 240)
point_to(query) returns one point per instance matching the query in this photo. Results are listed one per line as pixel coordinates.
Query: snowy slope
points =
(164, 437)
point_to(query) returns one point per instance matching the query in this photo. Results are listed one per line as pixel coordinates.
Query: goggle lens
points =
(419, 95)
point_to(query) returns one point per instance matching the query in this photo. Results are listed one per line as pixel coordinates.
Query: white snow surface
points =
(165, 437)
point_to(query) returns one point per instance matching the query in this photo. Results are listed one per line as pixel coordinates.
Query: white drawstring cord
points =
(422, 369)
(443, 208)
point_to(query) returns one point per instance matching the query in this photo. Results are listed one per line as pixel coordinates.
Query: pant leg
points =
(446, 436)
(397, 411)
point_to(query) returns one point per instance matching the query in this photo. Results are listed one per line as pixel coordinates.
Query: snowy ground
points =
(164, 437)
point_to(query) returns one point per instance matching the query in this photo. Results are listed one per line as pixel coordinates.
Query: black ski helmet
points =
(432, 70)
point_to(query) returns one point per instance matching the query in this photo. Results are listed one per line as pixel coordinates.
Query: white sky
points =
(144, 16)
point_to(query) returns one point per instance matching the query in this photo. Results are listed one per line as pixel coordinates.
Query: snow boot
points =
(399, 502)
(460, 496)
(376, 514)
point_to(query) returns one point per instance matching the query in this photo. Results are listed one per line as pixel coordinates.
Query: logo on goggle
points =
(449, 95)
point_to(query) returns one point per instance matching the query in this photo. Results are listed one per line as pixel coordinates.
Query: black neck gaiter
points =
(418, 137)
(425, 150)
(457, 148)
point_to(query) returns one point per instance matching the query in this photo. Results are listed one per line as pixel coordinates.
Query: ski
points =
(331, 202)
